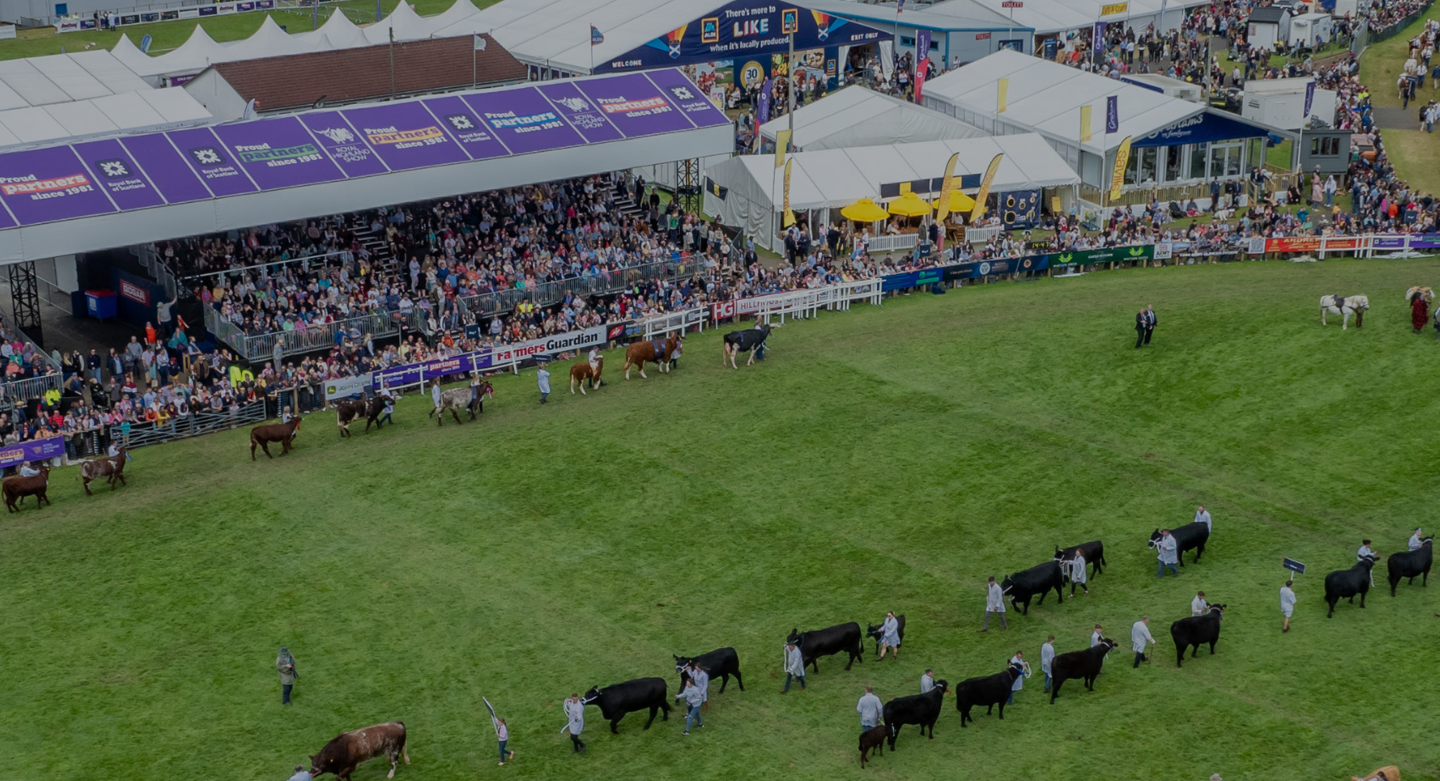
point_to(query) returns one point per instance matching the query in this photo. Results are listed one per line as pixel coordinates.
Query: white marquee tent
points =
(835, 178)
(1059, 16)
(859, 116)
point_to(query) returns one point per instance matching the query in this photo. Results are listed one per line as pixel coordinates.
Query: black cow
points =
(1348, 582)
(1194, 632)
(873, 630)
(1084, 665)
(922, 709)
(619, 699)
(748, 341)
(722, 663)
(989, 691)
(1191, 536)
(1021, 586)
(1409, 564)
(826, 642)
(1094, 553)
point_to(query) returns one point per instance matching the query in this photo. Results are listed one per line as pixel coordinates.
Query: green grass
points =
(887, 458)
(169, 35)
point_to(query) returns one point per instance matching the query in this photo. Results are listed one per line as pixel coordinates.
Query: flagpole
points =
(591, 25)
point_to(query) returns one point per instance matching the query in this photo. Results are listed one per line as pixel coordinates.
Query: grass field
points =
(888, 458)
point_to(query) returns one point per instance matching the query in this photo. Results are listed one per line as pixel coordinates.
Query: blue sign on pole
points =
(1293, 566)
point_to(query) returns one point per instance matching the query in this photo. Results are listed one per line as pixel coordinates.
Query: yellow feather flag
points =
(782, 145)
(789, 215)
(944, 209)
(1122, 159)
(1001, 87)
(979, 210)
(1085, 122)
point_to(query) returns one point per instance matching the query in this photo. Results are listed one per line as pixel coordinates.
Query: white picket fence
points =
(661, 325)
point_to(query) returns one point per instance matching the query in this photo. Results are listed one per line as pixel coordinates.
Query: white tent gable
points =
(858, 116)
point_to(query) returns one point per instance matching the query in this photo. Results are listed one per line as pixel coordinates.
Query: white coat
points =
(795, 662)
(1095, 638)
(1077, 569)
(1167, 550)
(575, 712)
(1140, 636)
(994, 599)
(1203, 516)
(1287, 600)
(1047, 655)
(1197, 606)
(926, 683)
(1415, 541)
(1019, 683)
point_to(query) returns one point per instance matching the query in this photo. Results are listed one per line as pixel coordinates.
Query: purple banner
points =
(45, 185)
(412, 374)
(635, 105)
(524, 120)
(208, 158)
(405, 135)
(343, 145)
(762, 112)
(34, 450)
(278, 153)
(688, 98)
(118, 175)
(158, 158)
(466, 128)
(582, 114)
(1417, 241)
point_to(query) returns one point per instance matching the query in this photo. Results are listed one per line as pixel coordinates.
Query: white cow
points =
(1345, 306)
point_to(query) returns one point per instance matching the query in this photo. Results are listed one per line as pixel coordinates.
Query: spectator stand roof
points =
(956, 15)
(136, 189)
(859, 116)
(835, 178)
(1050, 17)
(641, 34)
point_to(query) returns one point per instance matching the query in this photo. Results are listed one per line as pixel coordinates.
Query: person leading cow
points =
(1047, 655)
(890, 637)
(994, 604)
(1140, 639)
(870, 708)
(1167, 555)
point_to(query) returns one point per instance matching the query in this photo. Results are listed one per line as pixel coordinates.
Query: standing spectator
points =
(285, 665)
(575, 715)
(794, 667)
(693, 700)
(1077, 573)
(1202, 515)
(1167, 557)
(502, 735)
(1198, 605)
(890, 636)
(870, 708)
(542, 376)
(1150, 322)
(278, 354)
(1287, 604)
(166, 317)
(1142, 324)
(1047, 655)
(994, 604)
(92, 365)
(1140, 639)
(927, 681)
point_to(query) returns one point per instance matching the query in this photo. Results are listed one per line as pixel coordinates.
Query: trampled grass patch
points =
(887, 458)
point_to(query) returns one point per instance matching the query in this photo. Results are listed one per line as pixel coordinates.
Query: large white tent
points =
(151, 109)
(1050, 17)
(859, 116)
(835, 178)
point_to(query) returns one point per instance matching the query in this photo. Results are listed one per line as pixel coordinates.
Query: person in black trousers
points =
(1142, 327)
(1150, 322)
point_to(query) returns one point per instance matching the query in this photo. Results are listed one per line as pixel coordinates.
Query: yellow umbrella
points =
(909, 205)
(864, 210)
(960, 202)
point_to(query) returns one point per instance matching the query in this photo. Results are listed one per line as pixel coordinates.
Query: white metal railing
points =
(983, 234)
(891, 242)
(52, 294)
(660, 325)
(195, 424)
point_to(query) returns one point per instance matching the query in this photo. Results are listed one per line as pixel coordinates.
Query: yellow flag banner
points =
(789, 215)
(1122, 159)
(1001, 87)
(944, 209)
(979, 210)
(1085, 123)
(782, 145)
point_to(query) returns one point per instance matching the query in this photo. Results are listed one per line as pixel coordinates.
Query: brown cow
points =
(654, 351)
(581, 371)
(17, 488)
(348, 749)
(283, 433)
(873, 738)
(1392, 773)
(112, 468)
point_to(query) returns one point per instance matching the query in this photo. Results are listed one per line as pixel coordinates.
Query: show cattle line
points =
(803, 651)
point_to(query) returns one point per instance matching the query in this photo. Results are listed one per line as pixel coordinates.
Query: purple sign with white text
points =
(157, 157)
(208, 158)
(118, 175)
(343, 145)
(688, 97)
(278, 153)
(475, 138)
(45, 185)
(33, 450)
(405, 135)
(635, 105)
(524, 120)
(580, 112)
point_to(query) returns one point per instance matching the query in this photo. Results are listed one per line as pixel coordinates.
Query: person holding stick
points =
(575, 722)
(502, 734)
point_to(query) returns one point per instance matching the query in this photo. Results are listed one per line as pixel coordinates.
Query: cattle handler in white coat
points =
(1047, 655)
(1287, 604)
(575, 716)
(1140, 639)
(1077, 574)
(794, 666)
(994, 604)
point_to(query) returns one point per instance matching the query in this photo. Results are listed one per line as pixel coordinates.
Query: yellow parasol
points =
(864, 210)
(959, 202)
(909, 205)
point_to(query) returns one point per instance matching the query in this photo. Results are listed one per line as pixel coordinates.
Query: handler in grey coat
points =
(870, 708)
(794, 666)
(575, 715)
(1077, 574)
(1140, 639)
(994, 603)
